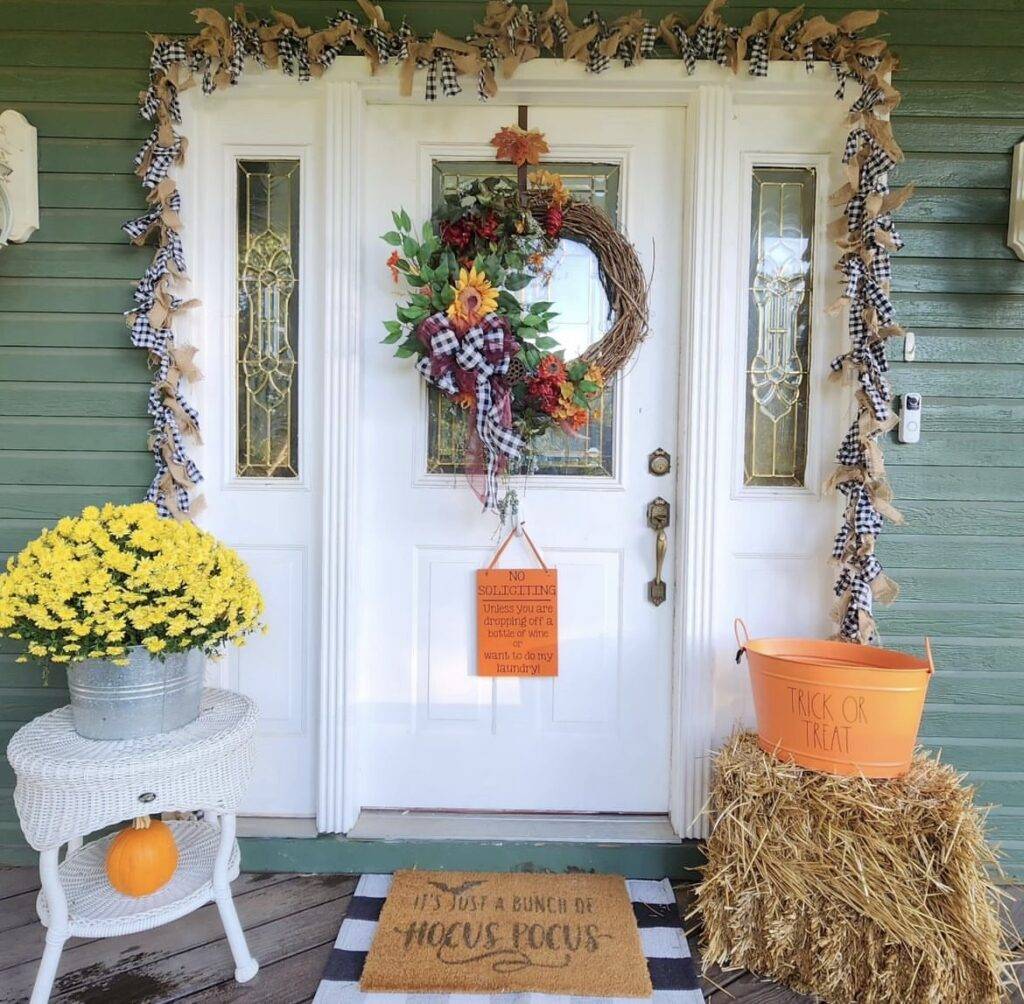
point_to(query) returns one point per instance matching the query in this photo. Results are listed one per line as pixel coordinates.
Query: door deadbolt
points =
(659, 462)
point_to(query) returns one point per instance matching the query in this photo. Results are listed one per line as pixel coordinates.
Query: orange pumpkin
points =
(142, 858)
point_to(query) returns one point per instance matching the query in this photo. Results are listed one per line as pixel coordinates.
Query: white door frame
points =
(708, 310)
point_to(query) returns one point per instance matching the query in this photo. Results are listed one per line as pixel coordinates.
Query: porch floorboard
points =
(291, 922)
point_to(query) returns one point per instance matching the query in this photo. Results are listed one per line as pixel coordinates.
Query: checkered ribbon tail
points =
(757, 53)
(597, 61)
(471, 353)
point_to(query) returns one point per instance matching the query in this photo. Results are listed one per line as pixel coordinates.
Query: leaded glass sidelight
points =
(571, 282)
(778, 328)
(268, 316)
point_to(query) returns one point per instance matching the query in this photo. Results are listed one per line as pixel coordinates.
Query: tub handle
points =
(928, 654)
(737, 626)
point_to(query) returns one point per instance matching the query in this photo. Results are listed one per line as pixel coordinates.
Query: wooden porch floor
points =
(291, 922)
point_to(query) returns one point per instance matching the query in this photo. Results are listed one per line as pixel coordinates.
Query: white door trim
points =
(709, 97)
(342, 368)
(705, 267)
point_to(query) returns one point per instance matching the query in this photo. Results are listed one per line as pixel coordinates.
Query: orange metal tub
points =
(837, 707)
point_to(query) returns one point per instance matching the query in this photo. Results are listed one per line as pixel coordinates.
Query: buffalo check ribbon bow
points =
(480, 351)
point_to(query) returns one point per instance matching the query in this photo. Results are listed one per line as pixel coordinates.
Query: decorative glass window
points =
(268, 319)
(571, 283)
(778, 328)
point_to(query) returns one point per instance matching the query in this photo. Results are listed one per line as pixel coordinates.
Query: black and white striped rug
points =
(673, 974)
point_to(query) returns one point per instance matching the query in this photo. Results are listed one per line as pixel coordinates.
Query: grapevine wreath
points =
(478, 343)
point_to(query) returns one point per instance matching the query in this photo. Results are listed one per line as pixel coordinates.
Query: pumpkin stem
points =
(141, 823)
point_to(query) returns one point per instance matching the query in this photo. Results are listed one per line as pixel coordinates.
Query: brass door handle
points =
(659, 515)
(656, 587)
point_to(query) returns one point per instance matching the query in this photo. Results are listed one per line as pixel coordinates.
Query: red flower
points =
(553, 220)
(457, 235)
(545, 393)
(393, 264)
(551, 368)
(487, 227)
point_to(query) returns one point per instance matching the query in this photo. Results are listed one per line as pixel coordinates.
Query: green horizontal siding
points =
(73, 395)
(960, 555)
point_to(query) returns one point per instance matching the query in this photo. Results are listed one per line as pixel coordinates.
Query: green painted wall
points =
(72, 391)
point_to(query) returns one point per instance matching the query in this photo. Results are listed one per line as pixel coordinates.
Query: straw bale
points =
(852, 890)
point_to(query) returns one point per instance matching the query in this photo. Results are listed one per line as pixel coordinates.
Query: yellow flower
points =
(475, 298)
(553, 183)
(83, 590)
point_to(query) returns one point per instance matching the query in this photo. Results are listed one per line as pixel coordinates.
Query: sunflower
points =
(475, 297)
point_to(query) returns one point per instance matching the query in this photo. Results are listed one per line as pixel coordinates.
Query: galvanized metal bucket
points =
(146, 697)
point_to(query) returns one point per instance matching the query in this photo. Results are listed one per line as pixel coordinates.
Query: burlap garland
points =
(509, 35)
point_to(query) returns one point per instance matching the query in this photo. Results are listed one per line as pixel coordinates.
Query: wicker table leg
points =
(57, 932)
(246, 966)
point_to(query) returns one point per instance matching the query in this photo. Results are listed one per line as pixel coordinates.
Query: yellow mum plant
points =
(99, 584)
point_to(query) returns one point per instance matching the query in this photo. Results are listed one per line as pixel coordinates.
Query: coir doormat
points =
(490, 933)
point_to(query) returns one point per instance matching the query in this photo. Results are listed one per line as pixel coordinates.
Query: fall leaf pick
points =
(520, 146)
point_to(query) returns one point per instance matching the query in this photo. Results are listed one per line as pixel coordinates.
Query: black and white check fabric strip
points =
(869, 97)
(687, 50)
(757, 53)
(151, 103)
(165, 53)
(648, 38)
(480, 344)
(160, 158)
(293, 54)
(430, 87)
(499, 442)
(559, 29)
(450, 85)
(790, 43)
(489, 63)
(597, 61)
(712, 43)
(851, 452)
(671, 967)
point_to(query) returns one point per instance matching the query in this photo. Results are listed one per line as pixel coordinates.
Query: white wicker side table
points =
(69, 787)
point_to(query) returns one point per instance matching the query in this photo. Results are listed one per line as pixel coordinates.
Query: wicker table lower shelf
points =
(69, 787)
(96, 911)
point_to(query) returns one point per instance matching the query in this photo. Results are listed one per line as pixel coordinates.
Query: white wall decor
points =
(1015, 233)
(19, 178)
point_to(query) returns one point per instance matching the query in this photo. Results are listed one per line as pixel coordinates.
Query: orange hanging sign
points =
(517, 618)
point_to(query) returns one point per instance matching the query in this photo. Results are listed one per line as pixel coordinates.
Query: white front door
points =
(255, 190)
(429, 732)
(407, 722)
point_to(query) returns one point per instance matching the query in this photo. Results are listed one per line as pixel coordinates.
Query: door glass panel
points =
(571, 282)
(778, 328)
(268, 319)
